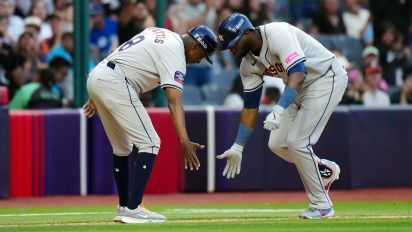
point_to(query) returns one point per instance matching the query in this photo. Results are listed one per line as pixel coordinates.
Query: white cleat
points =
(120, 212)
(329, 171)
(313, 213)
(141, 215)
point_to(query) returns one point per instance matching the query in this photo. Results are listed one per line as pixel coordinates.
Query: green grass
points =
(350, 216)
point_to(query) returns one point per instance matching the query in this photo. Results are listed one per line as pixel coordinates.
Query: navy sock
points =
(121, 175)
(142, 168)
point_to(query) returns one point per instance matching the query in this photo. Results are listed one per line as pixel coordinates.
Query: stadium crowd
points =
(371, 38)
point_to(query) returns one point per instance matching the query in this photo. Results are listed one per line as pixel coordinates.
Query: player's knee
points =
(295, 144)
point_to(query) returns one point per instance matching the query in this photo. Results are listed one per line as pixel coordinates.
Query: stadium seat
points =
(214, 93)
(192, 96)
(350, 47)
(325, 40)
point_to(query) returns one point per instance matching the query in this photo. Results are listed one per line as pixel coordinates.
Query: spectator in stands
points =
(397, 12)
(328, 19)
(65, 50)
(370, 56)
(130, 21)
(33, 24)
(47, 44)
(5, 39)
(271, 97)
(258, 12)
(64, 9)
(373, 96)
(103, 34)
(16, 73)
(354, 91)
(358, 22)
(27, 47)
(184, 16)
(15, 23)
(37, 94)
(38, 9)
(404, 95)
(393, 54)
(60, 69)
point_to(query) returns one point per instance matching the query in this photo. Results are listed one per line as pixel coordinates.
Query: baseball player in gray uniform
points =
(315, 82)
(154, 57)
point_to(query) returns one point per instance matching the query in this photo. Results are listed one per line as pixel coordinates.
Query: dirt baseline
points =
(390, 194)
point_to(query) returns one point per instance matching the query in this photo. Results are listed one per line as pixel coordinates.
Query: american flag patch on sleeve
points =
(179, 77)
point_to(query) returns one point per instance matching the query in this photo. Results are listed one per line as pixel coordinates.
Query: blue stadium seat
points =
(192, 96)
(350, 47)
(215, 93)
(325, 40)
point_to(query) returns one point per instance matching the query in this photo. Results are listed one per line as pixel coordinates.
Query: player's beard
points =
(244, 50)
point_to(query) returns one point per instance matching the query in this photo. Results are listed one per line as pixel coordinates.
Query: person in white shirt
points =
(373, 96)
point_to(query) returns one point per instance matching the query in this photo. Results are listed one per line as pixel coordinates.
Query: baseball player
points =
(154, 57)
(315, 82)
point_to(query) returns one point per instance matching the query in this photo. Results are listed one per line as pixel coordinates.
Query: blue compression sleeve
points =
(299, 67)
(289, 94)
(243, 134)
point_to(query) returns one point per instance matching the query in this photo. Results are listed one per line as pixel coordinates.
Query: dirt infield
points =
(392, 194)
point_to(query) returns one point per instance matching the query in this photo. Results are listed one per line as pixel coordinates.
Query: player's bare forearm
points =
(295, 80)
(176, 110)
(248, 117)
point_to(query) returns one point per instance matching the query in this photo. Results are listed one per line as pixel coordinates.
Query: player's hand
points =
(189, 152)
(272, 121)
(234, 160)
(89, 109)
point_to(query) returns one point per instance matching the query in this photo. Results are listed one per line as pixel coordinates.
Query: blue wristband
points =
(243, 134)
(289, 94)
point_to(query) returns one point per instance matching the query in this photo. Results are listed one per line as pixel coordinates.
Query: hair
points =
(46, 77)
(59, 62)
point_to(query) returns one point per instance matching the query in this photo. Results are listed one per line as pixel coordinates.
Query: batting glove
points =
(272, 121)
(234, 160)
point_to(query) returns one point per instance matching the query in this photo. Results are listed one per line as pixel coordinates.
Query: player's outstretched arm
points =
(178, 116)
(247, 123)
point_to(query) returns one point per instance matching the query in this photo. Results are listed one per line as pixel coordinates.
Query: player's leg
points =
(130, 113)
(318, 103)
(117, 137)
(277, 139)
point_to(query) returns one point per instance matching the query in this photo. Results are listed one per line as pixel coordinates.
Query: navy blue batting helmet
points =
(231, 29)
(206, 38)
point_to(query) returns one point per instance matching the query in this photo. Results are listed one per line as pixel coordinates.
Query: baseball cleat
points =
(329, 171)
(141, 215)
(313, 213)
(120, 212)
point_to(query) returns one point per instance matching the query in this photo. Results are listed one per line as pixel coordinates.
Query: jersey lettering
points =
(274, 70)
(135, 40)
(160, 35)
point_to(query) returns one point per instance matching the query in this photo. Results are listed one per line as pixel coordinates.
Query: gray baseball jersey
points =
(302, 122)
(152, 58)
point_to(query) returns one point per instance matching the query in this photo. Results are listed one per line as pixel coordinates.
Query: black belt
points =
(111, 65)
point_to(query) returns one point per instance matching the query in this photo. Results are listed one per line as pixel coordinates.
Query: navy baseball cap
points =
(231, 29)
(206, 39)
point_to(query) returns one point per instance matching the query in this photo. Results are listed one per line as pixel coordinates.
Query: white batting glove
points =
(234, 160)
(272, 121)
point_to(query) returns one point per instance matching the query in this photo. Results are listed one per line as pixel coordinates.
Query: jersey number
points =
(135, 40)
